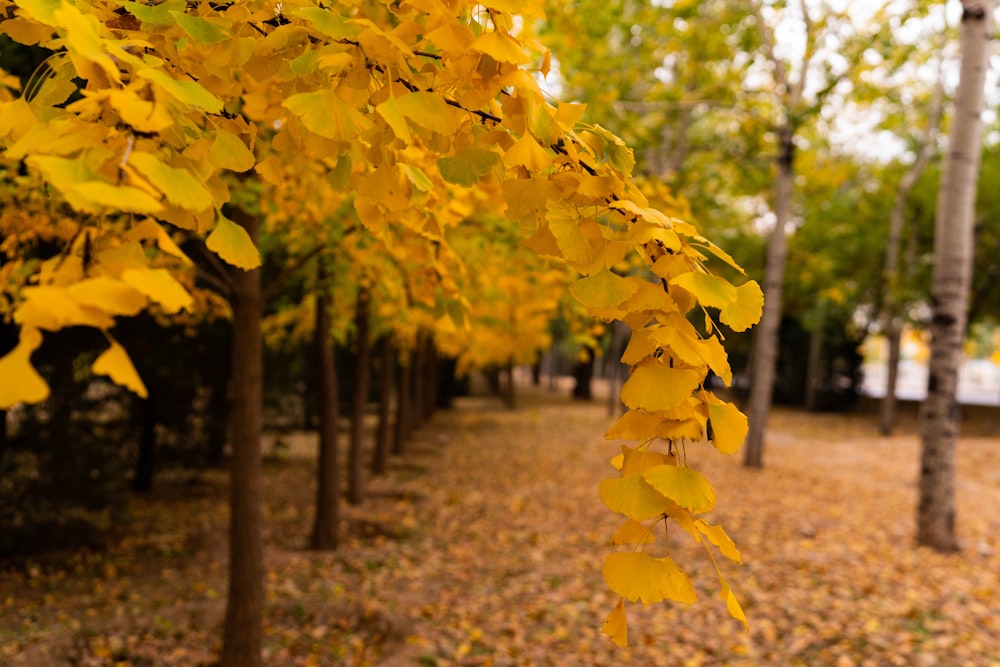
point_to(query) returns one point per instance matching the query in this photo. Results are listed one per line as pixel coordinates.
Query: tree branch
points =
(272, 289)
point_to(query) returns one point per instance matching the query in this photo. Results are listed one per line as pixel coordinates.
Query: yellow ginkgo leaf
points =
(229, 152)
(232, 243)
(468, 167)
(639, 459)
(107, 294)
(633, 496)
(179, 186)
(21, 382)
(639, 576)
(658, 387)
(710, 290)
(717, 536)
(326, 114)
(429, 110)
(634, 425)
(501, 47)
(729, 425)
(143, 115)
(616, 625)
(745, 310)
(115, 363)
(52, 308)
(392, 113)
(603, 290)
(160, 287)
(528, 154)
(633, 532)
(732, 604)
(685, 486)
(641, 344)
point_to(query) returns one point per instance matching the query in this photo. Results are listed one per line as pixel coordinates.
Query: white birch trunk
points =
(953, 253)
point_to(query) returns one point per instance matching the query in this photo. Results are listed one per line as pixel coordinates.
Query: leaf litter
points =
(485, 545)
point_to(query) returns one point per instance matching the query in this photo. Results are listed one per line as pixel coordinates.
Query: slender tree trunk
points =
(380, 458)
(142, 479)
(359, 401)
(765, 352)
(890, 316)
(887, 407)
(403, 426)
(243, 633)
(326, 524)
(814, 367)
(952, 278)
(583, 374)
(510, 392)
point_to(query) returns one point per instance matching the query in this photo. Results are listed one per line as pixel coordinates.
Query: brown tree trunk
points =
(403, 426)
(380, 457)
(765, 345)
(814, 367)
(359, 401)
(326, 524)
(243, 630)
(952, 277)
(510, 392)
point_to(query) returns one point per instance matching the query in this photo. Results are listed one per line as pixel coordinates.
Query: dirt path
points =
(484, 547)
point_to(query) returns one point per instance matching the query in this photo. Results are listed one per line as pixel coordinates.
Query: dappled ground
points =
(484, 547)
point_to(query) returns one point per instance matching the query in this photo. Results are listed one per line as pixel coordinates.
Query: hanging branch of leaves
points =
(404, 105)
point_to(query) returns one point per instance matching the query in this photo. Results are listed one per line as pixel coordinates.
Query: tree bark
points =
(359, 401)
(814, 368)
(890, 317)
(583, 374)
(243, 630)
(380, 457)
(326, 523)
(765, 345)
(404, 408)
(952, 277)
(887, 407)
(142, 478)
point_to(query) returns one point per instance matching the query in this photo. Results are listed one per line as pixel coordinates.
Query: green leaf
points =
(199, 29)
(339, 175)
(232, 243)
(418, 178)
(468, 167)
(328, 22)
(158, 15)
(187, 92)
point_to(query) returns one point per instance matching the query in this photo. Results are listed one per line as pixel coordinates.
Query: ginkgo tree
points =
(144, 113)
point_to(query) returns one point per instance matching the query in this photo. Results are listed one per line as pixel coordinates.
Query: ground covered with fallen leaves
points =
(484, 547)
